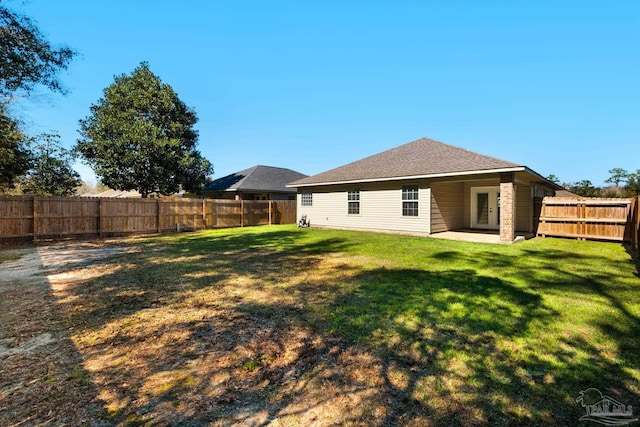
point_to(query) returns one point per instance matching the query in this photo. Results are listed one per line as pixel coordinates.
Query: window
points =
(353, 197)
(410, 200)
(306, 199)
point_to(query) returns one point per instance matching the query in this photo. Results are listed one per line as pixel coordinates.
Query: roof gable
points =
(257, 178)
(423, 157)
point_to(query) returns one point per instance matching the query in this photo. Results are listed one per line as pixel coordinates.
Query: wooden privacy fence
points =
(586, 218)
(53, 217)
(634, 224)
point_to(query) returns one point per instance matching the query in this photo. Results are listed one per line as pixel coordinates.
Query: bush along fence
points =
(36, 218)
(587, 218)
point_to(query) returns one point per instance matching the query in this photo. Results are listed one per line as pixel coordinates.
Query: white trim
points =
(435, 175)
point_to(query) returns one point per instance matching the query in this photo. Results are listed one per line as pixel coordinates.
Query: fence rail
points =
(586, 218)
(37, 218)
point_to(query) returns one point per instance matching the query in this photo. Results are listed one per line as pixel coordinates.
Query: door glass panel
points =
(483, 208)
(498, 208)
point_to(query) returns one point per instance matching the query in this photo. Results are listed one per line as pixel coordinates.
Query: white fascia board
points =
(543, 179)
(435, 175)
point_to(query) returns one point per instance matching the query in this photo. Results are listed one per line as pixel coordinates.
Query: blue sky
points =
(313, 85)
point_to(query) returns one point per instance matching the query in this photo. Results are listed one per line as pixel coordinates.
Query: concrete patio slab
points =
(479, 236)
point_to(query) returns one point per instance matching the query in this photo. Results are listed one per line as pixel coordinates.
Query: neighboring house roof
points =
(257, 178)
(116, 193)
(423, 158)
(566, 193)
(120, 194)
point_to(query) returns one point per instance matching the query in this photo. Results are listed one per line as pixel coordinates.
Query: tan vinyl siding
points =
(443, 205)
(447, 206)
(380, 208)
(523, 208)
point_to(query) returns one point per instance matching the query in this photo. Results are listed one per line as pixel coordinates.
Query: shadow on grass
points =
(42, 377)
(260, 326)
(635, 258)
(159, 274)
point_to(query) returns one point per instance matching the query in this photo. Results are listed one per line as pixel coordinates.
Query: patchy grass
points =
(8, 255)
(297, 327)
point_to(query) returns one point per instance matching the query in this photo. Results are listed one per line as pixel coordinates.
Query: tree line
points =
(138, 136)
(622, 184)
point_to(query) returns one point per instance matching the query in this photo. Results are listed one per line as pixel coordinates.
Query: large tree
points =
(27, 59)
(617, 175)
(140, 136)
(553, 178)
(15, 158)
(52, 172)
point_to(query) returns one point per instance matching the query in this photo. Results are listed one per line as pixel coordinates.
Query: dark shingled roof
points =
(257, 178)
(422, 157)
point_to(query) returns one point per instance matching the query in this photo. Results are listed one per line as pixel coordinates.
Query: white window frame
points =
(353, 201)
(306, 199)
(410, 197)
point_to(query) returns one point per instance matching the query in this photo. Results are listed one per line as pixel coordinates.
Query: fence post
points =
(35, 218)
(633, 232)
(580, 209)
(214, 213)
(100, 218)
(241, 213)
(159, 216)
(637, 226)
(204, 216)
(543, 214)
(270, 204)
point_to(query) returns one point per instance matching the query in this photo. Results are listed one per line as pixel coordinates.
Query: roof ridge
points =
(421, 157)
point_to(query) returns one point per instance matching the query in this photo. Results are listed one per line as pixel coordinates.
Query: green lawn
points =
(302, 326)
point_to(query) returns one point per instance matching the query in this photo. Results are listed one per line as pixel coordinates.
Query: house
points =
(424, 187)
(256, 183)
(130, 194)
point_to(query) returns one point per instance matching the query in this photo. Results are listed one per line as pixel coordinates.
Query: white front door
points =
(485, 207)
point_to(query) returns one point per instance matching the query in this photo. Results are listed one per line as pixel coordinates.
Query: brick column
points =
(507, 208)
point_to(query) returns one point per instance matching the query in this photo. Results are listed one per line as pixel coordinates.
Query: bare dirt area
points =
(109, 333)
(42, 379)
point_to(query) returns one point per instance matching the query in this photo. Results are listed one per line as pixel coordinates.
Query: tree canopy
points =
(553, 178)
(51, 173)
(617, 175)
(140, 136)
(27, 60)
(585, 188)
(632, 186)
(15, 158)
(26, 57)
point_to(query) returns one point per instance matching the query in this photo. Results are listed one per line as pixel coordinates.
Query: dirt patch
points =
(42, 378)
(37, 263)
(25, 268)
(27, 347)
(134, 334)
